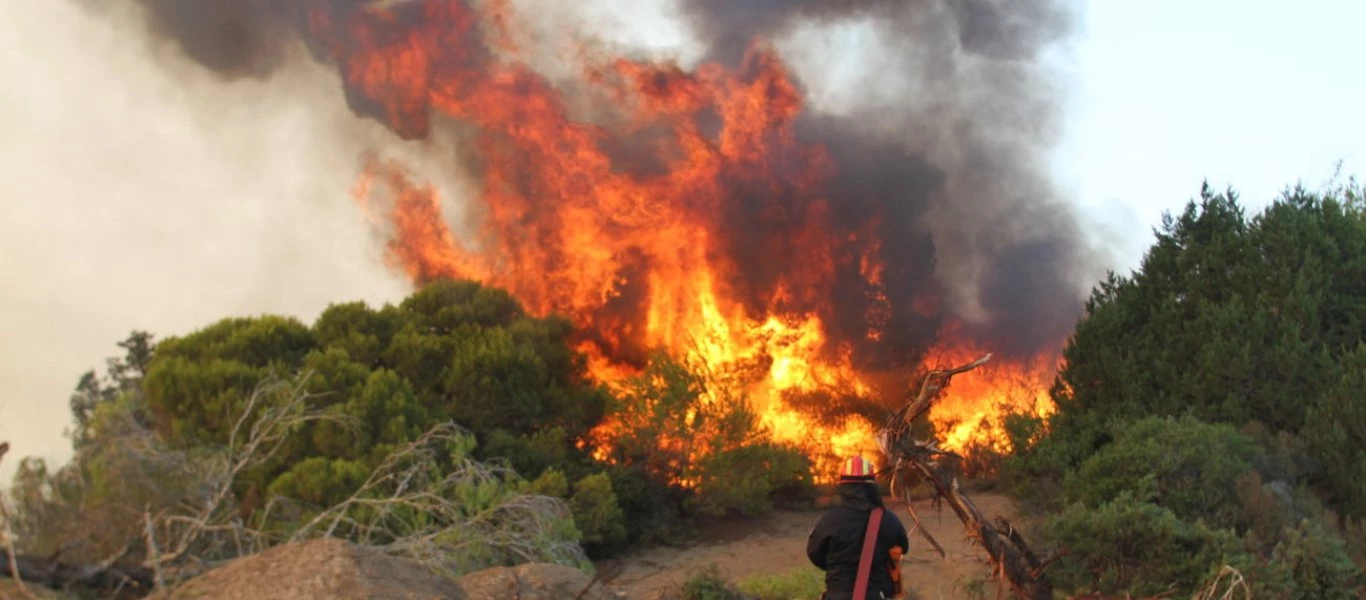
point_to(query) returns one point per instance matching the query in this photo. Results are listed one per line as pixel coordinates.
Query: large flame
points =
(620, 222)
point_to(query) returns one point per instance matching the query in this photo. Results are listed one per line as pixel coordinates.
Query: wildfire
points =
(645, 226)
(970, 413)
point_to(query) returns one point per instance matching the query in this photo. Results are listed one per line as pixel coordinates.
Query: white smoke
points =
(133, 198)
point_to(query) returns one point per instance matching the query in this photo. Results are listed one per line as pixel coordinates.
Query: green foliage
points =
(452, 351)
(677, 426)
(1130, 546)
(806, 583)
(1336, 435)
(123, 376)
(92, 507)
(430, 500)
(1183, 465)
(1209, 410)
(708, 584)
(1308, 563)
(746, 481)
(551, 483)
(1230, 320)
(597, 513)
(534, 453)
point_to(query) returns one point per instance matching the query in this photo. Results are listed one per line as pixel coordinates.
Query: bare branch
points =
(454, 522)
(274, 409)
(1013, 563)
(427, 500)
(153, 556)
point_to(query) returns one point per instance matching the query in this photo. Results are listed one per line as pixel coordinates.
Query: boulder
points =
(330, 568)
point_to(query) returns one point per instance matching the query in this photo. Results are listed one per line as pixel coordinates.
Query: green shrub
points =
(693, 432)
(1336, 436)
(1040, 461)
(1308, 563)
(597, 513)
(708, 584)
(551, 483)
(1183, 465)
(531, 454)
(747, 481)
(652, 507)
(1131, 546)
(805, 583)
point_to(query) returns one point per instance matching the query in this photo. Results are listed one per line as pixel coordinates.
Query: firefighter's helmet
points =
(856, 469)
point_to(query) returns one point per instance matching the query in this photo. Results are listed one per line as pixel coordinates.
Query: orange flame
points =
(971, 411)
(638, 256)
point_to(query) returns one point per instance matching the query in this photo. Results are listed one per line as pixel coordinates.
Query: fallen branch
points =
(439, 514)
(1012, 561)
(1235, 582)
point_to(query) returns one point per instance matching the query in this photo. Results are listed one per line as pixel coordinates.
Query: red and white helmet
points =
(857, 469)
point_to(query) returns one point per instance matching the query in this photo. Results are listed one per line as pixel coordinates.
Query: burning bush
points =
(699, 434)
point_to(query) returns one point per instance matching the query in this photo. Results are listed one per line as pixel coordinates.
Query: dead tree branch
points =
(200, 526)
(1013, 562)
(273, 410)
(427, 500)
(453, 518)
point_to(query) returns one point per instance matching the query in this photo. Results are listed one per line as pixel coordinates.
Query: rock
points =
(535, 581)
(334, 569)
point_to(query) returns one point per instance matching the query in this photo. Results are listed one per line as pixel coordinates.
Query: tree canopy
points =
(1216, 392)
(274, 429)
(453, 351)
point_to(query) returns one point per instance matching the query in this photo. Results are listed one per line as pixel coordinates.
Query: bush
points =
(747, 481)
(1129, 546)
(551, 483)
(1038, 464)
(1308, 563)
(1183, 465)
(805, 583)
(1336, 436)
(597, 513)
(699, 437)
(708, 584)
(653, 508)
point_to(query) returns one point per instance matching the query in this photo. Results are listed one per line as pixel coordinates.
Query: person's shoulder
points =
(890, 519)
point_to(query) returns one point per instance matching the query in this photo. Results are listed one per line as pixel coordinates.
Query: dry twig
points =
(452, 518)
(1234, 583)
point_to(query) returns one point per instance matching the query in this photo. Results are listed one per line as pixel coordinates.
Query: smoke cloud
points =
(151, 195)
(951, 136)
(942, 126)
(939, 117)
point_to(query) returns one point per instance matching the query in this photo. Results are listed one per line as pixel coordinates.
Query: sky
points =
(128, 202)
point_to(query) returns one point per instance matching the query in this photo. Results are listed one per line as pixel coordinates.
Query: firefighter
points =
(836, 544)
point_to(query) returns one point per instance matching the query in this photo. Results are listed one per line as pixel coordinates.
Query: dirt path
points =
(776, 544)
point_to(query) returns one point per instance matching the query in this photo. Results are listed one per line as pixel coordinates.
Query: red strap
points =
(865, 562)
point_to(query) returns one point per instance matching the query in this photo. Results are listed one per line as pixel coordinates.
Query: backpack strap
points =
(865, 563)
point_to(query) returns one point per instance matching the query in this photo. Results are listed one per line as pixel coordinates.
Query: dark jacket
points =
(836, 543)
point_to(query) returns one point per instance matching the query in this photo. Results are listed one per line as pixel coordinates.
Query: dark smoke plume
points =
(235, 38)
(957, 159)
(948, 148)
